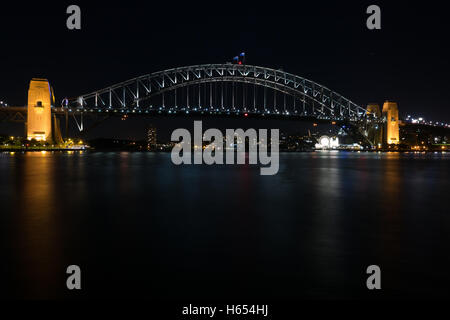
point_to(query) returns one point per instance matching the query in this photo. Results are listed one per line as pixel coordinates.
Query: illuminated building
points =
(391, 133)
(326, 143)
(151, 138)
(40, 100)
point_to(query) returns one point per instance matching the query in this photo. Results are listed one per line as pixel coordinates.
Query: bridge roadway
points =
(19, 114)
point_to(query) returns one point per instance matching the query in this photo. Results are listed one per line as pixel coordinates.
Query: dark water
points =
(139, 226)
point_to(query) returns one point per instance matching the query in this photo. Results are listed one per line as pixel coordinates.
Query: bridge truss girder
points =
(131, 95)
(13, 114)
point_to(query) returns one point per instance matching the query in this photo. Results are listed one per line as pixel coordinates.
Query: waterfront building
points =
(151, 138)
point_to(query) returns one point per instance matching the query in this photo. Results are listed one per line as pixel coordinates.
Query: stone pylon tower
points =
(39, 120)
(391, 132)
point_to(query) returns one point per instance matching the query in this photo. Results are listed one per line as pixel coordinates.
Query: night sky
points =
(328, 42)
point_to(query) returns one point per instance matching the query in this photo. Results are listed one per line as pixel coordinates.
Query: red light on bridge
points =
(240, 62)
(245, 114)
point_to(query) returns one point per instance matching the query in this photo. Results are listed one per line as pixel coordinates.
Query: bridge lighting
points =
(204, 72)
(242, 55)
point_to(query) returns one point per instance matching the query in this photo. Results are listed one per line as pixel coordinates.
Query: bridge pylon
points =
(391, 132)
(39, 115)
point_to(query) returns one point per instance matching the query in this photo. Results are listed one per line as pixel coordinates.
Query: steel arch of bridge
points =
(129, 96)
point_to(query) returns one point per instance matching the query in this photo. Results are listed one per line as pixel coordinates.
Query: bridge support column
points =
(66, 115)
(391, 130)
(199, 95)
(232, 97)
(39, 119)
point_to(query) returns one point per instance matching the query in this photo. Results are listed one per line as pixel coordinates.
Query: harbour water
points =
(139, 226)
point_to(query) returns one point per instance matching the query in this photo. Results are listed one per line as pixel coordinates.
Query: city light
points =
(423, 121)
(326, 143)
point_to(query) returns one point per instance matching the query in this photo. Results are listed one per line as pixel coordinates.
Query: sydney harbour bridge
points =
(221, 90)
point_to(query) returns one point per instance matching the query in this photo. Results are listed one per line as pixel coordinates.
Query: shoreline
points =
(168, 151)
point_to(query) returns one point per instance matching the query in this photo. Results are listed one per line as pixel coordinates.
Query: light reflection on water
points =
(216, 231)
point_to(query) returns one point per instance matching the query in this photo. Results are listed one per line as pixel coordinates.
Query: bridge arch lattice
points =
(153, 91)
